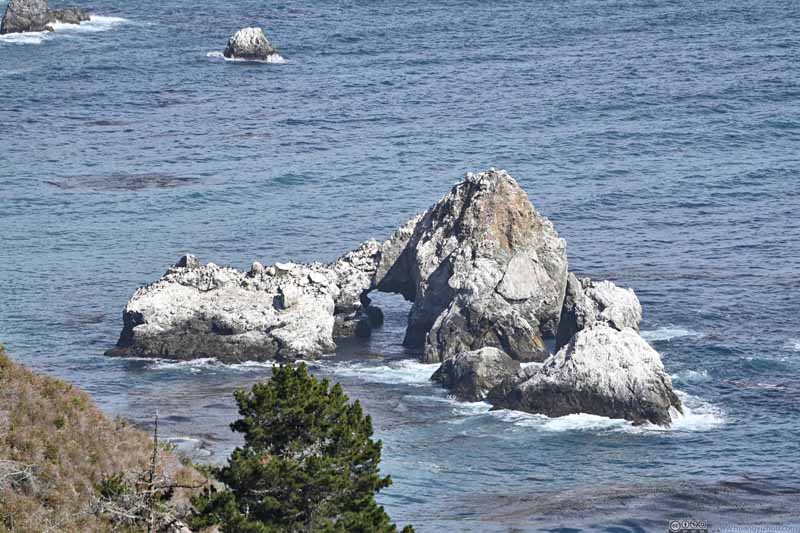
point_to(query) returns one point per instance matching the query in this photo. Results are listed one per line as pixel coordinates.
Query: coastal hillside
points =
(66, 466)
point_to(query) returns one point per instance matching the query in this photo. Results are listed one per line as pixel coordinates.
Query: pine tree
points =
(308, 463)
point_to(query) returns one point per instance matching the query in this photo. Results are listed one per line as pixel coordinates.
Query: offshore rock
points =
(602, 371)
(25, 16)
(482, 267)
(282, 312)
(68, 15)
(588, 302)
(249, 43)
(471, 375)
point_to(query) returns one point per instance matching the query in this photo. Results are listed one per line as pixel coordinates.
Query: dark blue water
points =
(662, 138)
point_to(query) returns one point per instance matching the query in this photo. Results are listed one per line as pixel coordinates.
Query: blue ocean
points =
(661, 138)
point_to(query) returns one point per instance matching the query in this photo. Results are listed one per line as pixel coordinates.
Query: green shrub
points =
(308, 463)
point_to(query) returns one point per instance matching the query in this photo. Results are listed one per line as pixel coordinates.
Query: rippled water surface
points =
(662, 138)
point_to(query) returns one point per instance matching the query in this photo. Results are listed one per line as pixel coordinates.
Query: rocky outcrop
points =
(588, 302)
(249, 43)
(34, 15)
(25, 16)
(602, 371)
(471, 375)
(285, 311)
(68, 15)
(482, 267)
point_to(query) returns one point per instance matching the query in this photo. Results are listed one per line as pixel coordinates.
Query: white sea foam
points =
(274, 59)
(666, 333)
(698, 415)
(407, 371)
(34, 37)
(691, 376)
(794, 344)
(196, 366)
(96, 23)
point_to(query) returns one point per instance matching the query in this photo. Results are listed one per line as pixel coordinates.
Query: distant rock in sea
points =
(24, 16)
(68, 15)
(34, 15)
(251, 44)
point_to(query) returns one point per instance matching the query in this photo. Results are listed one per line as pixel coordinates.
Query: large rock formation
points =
(24, 16)
(249, 43)
(285, 311)
(471, 375)
(482, 267)
(34, 15)
(602, 371)
(588, 302)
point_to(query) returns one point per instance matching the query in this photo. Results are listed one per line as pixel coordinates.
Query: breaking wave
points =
(405, 371)
(666, 333)
(95, 24)
(698, 415)
(691, 376)
(206, 364)
(273, 59)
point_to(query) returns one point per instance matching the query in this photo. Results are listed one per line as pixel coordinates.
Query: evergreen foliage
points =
(308, 463)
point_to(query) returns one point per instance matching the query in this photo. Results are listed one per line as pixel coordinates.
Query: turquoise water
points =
(662, 138)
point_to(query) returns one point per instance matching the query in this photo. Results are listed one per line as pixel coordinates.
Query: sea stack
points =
(483, 268)
(250, 44)
(34, 15)
(25, 16)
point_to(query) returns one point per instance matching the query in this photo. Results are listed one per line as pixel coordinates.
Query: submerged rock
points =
(471, 375)
(602, 371)
(482, 267)
(249, 43)
(25, 16)
(588, 302)
(68, 15)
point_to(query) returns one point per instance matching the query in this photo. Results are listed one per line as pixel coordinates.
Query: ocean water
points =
(662, 138)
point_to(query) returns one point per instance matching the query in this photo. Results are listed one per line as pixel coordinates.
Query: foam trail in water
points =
(691, 376)
(96, 23)
(274, 59)
(408, 371)
(196, 366)
(698, 415)
(668, 332)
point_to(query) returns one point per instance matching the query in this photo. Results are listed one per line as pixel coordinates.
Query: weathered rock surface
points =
(68, 15)
(471, 375)
(482, 267)
(588, 302)
(285, 311)
(25, 16)
(602, 371)
(249, 43)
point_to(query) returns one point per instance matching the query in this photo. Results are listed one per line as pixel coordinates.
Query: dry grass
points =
(66, 447)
